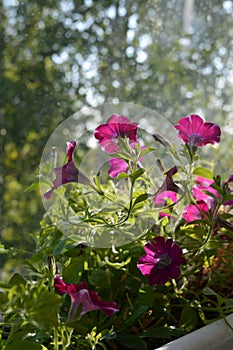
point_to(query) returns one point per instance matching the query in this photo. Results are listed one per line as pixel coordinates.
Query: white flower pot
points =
(216, 336)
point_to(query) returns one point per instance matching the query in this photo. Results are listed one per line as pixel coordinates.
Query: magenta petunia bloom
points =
(200, 195)
(203, 181)
(163, 199)
(195, 132)
(80, 294)
(162, 261)
(204, 202)
(195, 212)
(117, 166)
(68, 172)
(116, 126)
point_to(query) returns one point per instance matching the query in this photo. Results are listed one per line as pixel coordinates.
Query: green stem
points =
(56, 344)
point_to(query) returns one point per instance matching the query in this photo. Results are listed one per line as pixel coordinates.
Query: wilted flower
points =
(116, 126)
(168, 184)
(162, 261)
(68, 172)
(80, 294)
(195, 132)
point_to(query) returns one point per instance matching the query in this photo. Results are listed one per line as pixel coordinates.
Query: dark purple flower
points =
(116, 126)
(68, 172)
(195, 132)
(80, 294)
(165, 198)
(162, 261)
(168, 184)
(196, 211)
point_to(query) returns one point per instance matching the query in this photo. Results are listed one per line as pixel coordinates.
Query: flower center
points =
(194, 140)
(115, 134)
(164, 261)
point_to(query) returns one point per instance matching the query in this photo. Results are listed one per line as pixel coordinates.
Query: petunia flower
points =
(80, 294)
(196, 211)
(163, 199)
(199, 194)
(116, 126)
(162, 261)
(195, 132)
(204, 201)
(117, 166)
(68, 172)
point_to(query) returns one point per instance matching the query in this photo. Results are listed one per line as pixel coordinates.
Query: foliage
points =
(98, 232)
(57, 56)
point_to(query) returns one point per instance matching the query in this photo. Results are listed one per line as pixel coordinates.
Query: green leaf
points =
(146, 151)
(123, 175)
(99, 278)
(16, 280)
(25, 345)
(162, 333)
(145, 296)
(135, 175)
(35, 186)
(135, 315)
(141, 198)
(43, 307)
(64, 246)
(203, 172)
(132, 342)
(72, 270)
(208, 291)
(188, 318)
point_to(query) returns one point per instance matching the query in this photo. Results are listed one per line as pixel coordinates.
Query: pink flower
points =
(165, 198)
(204, 203)
(203, 181)
(196, 212)
(80, 294)
(117, 166)
(68, 172)
(200, 195)
(162, 261)
(116, 126)
(195, 132)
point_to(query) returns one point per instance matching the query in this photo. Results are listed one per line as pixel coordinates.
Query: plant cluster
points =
(125, 259)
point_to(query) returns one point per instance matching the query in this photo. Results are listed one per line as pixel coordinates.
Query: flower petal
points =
(146, 264)
(158, 276)
(117, 166)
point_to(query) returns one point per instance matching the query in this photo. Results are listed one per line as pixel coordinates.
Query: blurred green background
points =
(175, 57)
